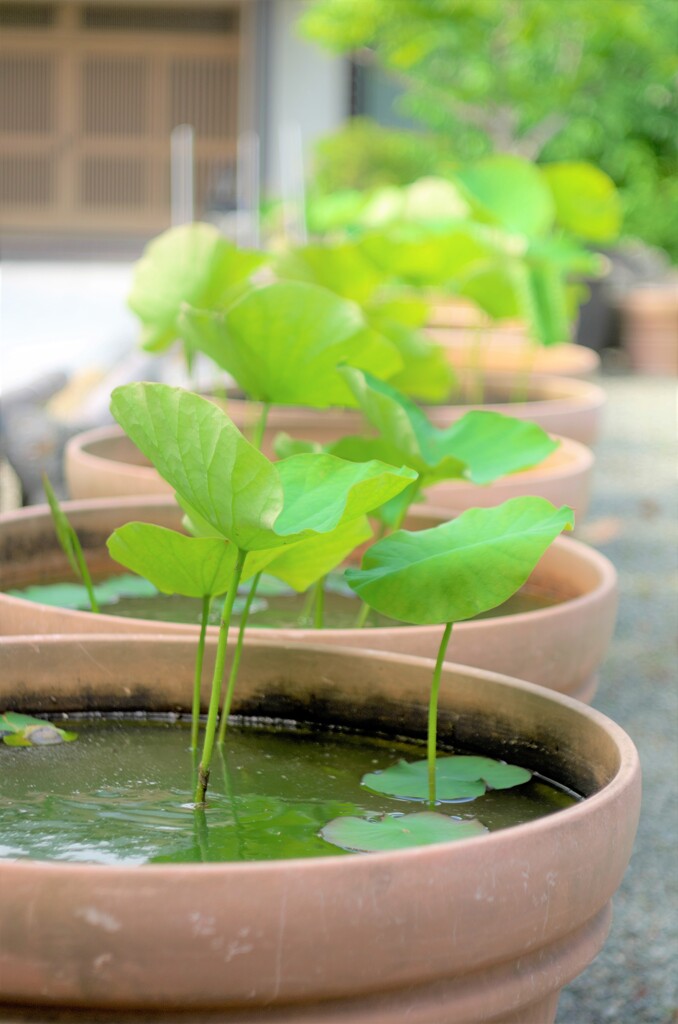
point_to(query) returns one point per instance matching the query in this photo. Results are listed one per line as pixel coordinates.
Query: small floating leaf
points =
(76, 597)
(110, 591)
(58, 595)
(19, 730)
(460, 777)
(398, 832)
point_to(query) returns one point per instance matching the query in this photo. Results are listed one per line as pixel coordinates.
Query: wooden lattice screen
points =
(89, 94)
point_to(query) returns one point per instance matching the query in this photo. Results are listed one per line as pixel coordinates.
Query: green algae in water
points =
(275, 606)
(120, 794)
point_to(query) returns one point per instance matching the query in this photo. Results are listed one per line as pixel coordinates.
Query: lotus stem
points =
(319, 614)
(197, 676)
(235, 665)
(432, 735)
(477, 395)
(259, 429)
(305, 616)
(362, 616)
(217, 682)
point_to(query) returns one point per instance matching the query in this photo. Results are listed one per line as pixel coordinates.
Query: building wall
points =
(304, 86)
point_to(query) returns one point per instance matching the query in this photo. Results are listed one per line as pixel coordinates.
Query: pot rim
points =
(605, 570)
(628, 768)
(578, 458)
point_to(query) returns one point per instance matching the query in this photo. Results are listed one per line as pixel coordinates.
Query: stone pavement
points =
(633, 521)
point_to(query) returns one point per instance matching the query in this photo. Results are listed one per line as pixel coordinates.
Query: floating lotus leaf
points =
(398, 831)
(460, 777)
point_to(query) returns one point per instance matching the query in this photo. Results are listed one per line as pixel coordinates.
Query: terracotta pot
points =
(483, 930)
(505, 344)
(564, 478)
(560, 647)
(650, 328)
(105, 463)
(453, 311)
(569, 408)
(511, 351)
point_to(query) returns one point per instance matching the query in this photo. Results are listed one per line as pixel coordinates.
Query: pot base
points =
(460, 1001)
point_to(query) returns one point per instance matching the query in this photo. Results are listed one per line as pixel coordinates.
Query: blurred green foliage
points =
(365, 155)
(580, 80)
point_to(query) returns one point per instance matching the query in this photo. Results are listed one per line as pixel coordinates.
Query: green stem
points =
(362, 616)
(477, 396)
(228, 792)
(197, 675)
(201, 833)
(261, 426)
(230, 689)
(319, 589)
(305, 617)
(217, 682)
(84, 574)
(431, 740)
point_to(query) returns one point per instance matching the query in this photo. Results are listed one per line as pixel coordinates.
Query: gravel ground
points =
(633, 521)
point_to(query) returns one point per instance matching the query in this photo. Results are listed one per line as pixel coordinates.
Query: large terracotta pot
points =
(567, 407)
(104, 463)
(560, 647)
(564, 478)
(650, 328)
(513, 352)
(483, 930)
(472, 339)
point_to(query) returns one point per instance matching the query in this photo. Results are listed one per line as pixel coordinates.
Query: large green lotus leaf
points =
(426, 373)
(400, 423)
(432, 199)
(586, 200)
(405, 434)
(341, 268)
(398, 831)
(423, 258)
(192, 263)
(204, 457)
(304, 563)
(493, 289)
(509, 191)
(567, 255)
(460, 777)
(490, 444)
(461, 568)
(322, 491)
(283, 342)
(480, 447)
(334, 211)
(404, 307)
(173, 562)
